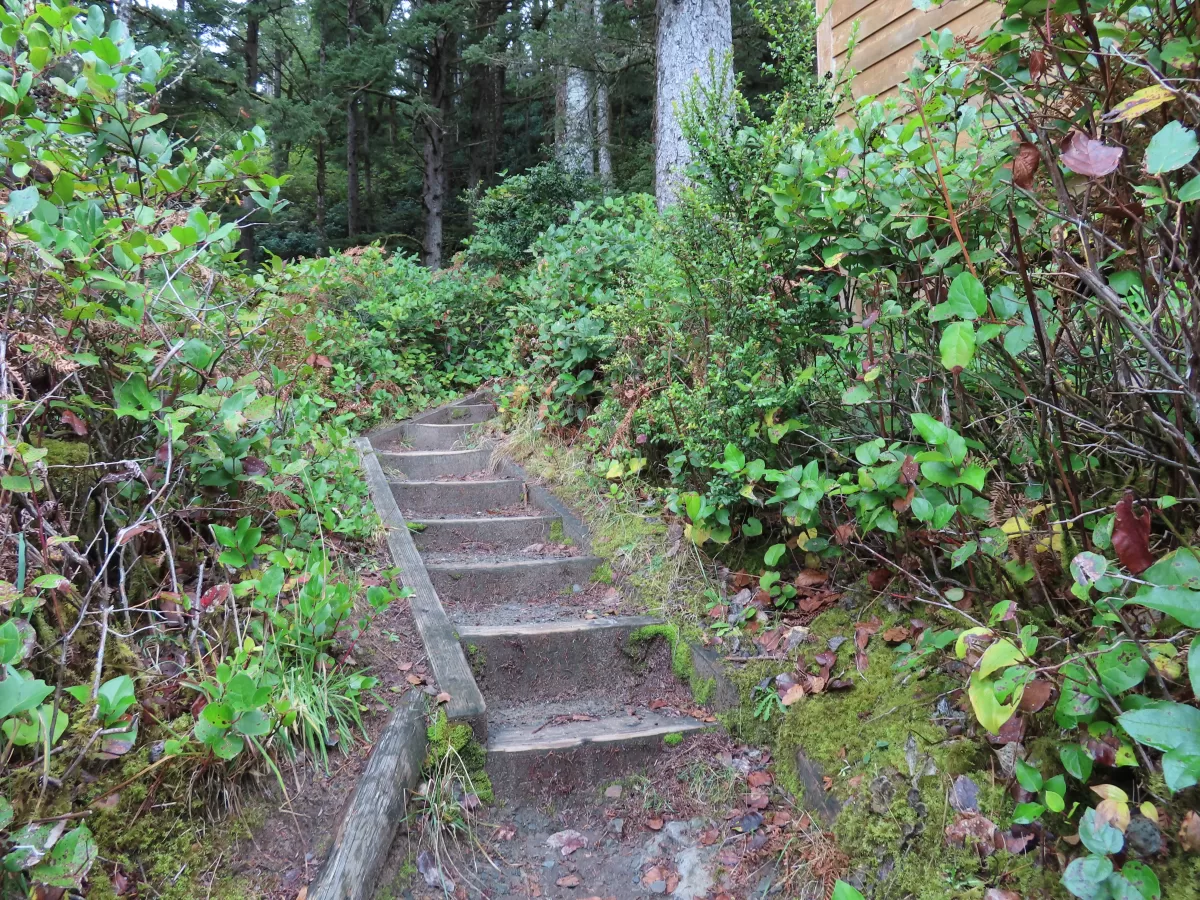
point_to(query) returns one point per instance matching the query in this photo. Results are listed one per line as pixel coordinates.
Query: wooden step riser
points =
(430, 465)
(466, 414)
(419, 436)
(551, 662)
(548, 775)
(456, 497)
(503, 533)
(526, 582)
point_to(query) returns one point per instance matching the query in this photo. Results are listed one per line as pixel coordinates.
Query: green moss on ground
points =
(681, 653)
(674, 739)
(457, 740)
(858, 738)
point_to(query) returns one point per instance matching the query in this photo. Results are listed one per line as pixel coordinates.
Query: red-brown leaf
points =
(128, 534)
(1131, 536)
(77, 424)
(1037, 694)
(909, 471)
(1086, 156)
(214, 596)
(1037, 65)
(1025, 165)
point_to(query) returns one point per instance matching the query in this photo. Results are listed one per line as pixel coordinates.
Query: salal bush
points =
(952, 341)
(396, 336)
(173, 478)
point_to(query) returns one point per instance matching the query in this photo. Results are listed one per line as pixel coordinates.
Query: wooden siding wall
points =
(889, 35)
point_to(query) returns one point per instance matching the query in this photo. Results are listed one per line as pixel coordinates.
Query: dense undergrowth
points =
(950, 349)
(183, 514)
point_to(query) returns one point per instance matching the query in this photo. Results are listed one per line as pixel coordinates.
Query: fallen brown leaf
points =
(568, 881)
(896, 634)
(810, 578)
(1037, 694)
(654, 825)
(443, 697)
(759, 779)
(1131, 536)
(793, 694)
(1189, 832)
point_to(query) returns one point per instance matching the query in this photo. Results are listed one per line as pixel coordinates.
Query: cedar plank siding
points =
(889, 35)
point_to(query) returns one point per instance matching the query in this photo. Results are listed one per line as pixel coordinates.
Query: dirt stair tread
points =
(567, 626)
(583, 720)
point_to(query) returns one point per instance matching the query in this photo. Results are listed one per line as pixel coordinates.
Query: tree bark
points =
(603, 116)
(436, 181)
(695, 40)
(574, 150)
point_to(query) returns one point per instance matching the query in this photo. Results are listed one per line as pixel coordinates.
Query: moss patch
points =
(446, 739)
(681, 653)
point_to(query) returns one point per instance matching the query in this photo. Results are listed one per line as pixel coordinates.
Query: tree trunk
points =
(603, 129)
(574, 150)
(246, 239)
(695, 40)
(436, 181)
(351, 133)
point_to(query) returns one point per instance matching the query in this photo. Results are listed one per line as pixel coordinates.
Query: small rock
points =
(1143, 837)
(835, 642)
(882, 792)
(617, 827)
(613, 792)
(658, 887)
(964, 794)
(548, 864)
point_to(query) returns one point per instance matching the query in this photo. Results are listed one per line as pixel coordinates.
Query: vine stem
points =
(920, 104)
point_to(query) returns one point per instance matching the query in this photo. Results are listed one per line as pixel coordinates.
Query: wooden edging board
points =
(376, 808)
(450, 668)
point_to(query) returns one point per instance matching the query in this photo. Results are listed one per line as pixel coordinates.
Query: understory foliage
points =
(951, 345)
(180, 495)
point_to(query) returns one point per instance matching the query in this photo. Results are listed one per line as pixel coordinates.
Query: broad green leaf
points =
(752, 527)
(988, 710)
(858, 393)
(1177, 602)
(1100, 837)
(1163, 725)
(957, 345)
(22, 202)
(1086, 878)
(967, 298)
(1194, 665)
(774, 554)
(1143, 880)
(843, 891)
(1076, 761)
(1172, 148)
(999, 655)
(1190, 191)
(962, 554)
(1028, 777)
(1027, 813)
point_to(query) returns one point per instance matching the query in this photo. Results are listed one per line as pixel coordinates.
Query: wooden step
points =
(493, 579)
(461, 414)
(529, 755)
(442, 497)
(558, 659)
(423, 436)
(429, 465)
(498, 532)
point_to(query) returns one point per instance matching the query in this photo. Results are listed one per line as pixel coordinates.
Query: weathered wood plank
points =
(882, 13)
(377, 806)
(826, 9)
(446, 657)
(900, 33)
(891, 70)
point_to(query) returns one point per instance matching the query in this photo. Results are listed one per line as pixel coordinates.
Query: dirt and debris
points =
(704, 822)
